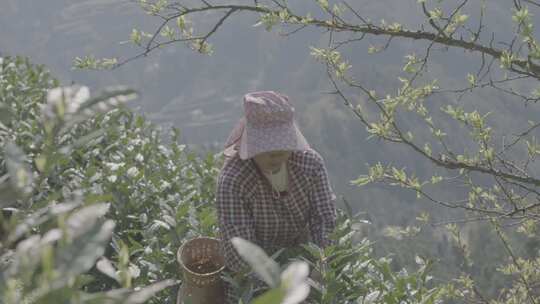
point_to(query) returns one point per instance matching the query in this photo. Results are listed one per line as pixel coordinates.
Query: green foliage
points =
(78, 172)
(108, 175)
(95, 203)
(492, 170)
(350, 272)
(345, 272)
(288, 287)
(92, 63)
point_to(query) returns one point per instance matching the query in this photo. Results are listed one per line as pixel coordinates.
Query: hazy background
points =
(202, 95)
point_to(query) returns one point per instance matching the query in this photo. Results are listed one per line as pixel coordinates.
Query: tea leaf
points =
(265, 267)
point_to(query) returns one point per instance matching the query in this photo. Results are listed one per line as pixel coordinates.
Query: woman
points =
(273, 189)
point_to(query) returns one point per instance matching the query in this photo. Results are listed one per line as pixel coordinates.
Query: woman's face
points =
(271, 161)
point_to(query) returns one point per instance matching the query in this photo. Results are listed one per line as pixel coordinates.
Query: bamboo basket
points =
(201, 263)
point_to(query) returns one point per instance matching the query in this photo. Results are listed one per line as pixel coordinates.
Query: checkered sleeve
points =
(235, 219)
(323, 213)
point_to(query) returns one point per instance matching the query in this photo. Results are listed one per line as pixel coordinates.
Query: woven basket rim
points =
(184, 267)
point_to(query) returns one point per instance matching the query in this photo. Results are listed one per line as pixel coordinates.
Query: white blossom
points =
(139, 157)
(132, 172)
(143, 218)
(170, 165)
(173, 197)
(112, 178)
(116, 157)
(114, 166)
(65, 99)
(135, 141)
(95, 177)
(164, 185)
(134, 271)
(164, 150)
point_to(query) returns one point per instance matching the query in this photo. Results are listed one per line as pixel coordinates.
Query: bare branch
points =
(519, 137)
(345, 99)
(462, 221)
(520, 66)
(216, 26)
(293, 31)
(532, 2)
(356, 13)
(453, 14)
(339, 44)
(432, 22)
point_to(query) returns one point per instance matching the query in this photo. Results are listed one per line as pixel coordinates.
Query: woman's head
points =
(268, 125)
(271, 161)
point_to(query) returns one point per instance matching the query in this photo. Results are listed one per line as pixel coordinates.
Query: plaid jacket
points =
(247, 207)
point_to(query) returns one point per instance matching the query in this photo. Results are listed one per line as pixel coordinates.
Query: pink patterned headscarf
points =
(268, 125)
